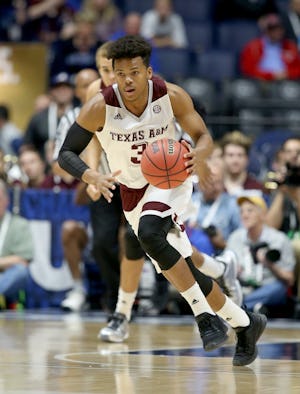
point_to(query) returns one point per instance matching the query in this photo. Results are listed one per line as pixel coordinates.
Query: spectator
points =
(291, 21)
(132, 26)
(216, 214)
(42, 101)
(271, 56)
(107, 16)
(77, 52)
(16, 249)
(38, 20)
(34, 174)
(42, 125)
(9, 132)
(236, 146)
(163, 26)
(265, 256)
(284, 212)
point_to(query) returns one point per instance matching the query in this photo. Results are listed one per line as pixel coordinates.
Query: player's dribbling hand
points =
(93, 192)
(196, 165)
(103, 184)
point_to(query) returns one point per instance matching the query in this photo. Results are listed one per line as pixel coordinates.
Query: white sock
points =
(78, 285)
(125, 303)
(233, 314)
(212, 267)
(196, 300)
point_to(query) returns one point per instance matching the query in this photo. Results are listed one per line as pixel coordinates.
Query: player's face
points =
(132, 77)
(106, 71)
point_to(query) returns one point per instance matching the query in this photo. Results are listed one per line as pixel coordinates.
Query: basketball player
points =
(135, 111)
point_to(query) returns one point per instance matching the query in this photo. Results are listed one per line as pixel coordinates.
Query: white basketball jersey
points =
(125, 135)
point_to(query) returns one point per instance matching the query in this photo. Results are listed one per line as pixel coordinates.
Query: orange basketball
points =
(162, 163)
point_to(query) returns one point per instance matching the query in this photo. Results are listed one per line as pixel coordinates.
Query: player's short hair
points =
(129, 47)
(102, 51)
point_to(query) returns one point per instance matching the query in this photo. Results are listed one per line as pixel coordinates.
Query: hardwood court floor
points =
(51, 353)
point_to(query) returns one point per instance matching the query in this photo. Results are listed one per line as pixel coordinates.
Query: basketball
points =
(163, 165)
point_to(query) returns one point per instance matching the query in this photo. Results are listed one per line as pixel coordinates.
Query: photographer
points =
(265, 256)
(215, 216)
(284, 212)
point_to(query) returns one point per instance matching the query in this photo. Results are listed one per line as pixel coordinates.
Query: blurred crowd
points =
(255, 214)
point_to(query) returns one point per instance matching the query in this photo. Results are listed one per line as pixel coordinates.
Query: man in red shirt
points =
(271, 56)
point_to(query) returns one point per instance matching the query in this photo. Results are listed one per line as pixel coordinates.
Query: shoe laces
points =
(115, 321)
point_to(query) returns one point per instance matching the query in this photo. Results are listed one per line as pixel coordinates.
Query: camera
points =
(211, 230)
(272, 255)
(291, 178)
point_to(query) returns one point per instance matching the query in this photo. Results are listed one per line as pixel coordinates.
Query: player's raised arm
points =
(192, 123)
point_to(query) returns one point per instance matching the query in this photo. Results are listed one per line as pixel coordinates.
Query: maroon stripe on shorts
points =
(131, 197)
(155, 206)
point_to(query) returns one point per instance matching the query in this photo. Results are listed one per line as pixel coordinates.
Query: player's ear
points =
(149, 72)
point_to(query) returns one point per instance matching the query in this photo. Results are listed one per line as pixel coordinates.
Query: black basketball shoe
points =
(212, 330)
(247, 337)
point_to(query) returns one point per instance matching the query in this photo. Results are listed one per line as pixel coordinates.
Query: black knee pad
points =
(205, 282)
(152, 234)
(133, 249)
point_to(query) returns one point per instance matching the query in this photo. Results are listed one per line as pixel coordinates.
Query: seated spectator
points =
(42, 125)
(16, 250)
(236, 147)
(38, 20)
(216, 214)
(42, 101)
(107, 16)
(163, 26)
(265, 255)
(9, 132)
(291, 21)
(34, 174)
(284, 212)
(77, 52)
(270, 57)
(131, 26)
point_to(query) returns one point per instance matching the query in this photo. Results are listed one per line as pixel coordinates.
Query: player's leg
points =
(74, 240)
(248, 325)
(117, 329)
(223, 269)
(153, 232)
(106, 219)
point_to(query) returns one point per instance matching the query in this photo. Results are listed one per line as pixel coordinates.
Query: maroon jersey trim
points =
(159, 88)
(110, 97)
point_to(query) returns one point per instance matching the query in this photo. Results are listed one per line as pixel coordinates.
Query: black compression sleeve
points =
(75, 142)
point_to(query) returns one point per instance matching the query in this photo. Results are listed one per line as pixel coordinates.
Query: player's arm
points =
(90, 119)
(92, 156)
(193, 124)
